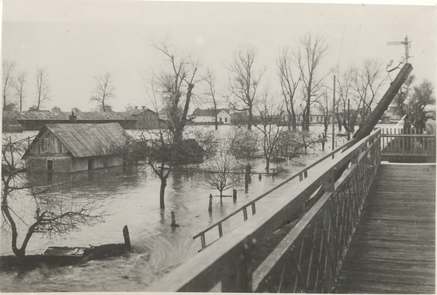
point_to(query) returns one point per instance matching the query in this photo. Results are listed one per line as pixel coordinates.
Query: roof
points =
(46, 115)
(207, 112)
(88, 140)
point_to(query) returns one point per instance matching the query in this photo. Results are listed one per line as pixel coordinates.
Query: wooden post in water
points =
(126, 238)
(234, 195)
(246, 178)
(210, 204)
(173, 219)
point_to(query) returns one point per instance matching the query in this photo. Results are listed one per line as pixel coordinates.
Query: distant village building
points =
(10, 123)
(208, 116)
(35, 120)
(137, 118)
(75, 147)
(145, 118)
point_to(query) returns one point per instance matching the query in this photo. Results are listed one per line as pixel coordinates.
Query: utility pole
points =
(333, 116)
(406, 43)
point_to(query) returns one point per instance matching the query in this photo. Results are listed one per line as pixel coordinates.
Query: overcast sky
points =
(75, 40)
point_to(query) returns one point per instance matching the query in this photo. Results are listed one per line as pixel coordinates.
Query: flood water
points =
(131, 197)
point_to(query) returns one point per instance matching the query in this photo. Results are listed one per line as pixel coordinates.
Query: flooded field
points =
(131, 197)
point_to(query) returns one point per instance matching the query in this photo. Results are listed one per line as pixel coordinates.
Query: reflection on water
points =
(131, 197)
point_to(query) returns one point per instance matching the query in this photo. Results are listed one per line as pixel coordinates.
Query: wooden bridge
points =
(348, 223)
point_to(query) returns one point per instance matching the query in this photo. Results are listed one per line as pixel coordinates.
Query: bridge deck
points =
(392, 250)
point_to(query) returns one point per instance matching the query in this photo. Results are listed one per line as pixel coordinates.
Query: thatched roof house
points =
(69, 147)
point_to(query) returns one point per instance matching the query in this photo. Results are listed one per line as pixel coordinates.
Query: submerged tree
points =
(7, 71)
(19, 89)
(289, 81)
(367, 83)
(271, 132)
(308, 58)
(104, 91)
(52, 214)
(175, 87)
(222, 176)
(244, 83)
(42, 88)
(211, 92)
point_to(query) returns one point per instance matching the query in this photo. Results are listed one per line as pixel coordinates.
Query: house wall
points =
(47, 144)
(40, 163)
(146, 120)
(203, 119)
(223, 117)
(70, 164)
(81, 164)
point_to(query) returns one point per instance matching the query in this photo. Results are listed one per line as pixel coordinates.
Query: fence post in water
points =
(234, 195)
(210, 204)
(260, 177)
(126, 238)
(173, 219)
(246, 178)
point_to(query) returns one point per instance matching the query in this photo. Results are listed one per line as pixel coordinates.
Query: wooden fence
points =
(324, 209)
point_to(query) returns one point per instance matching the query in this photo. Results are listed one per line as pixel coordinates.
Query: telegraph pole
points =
(333, 116)
(406, 43)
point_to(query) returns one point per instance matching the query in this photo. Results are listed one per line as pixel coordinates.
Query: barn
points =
(71, 147)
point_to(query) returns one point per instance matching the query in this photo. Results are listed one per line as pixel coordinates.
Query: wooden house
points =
(207, 116)
(145, 119)
(71, 147)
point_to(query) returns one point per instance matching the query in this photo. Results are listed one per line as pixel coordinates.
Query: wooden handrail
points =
(302, 174)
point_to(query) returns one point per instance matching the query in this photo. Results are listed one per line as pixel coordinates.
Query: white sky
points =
(75, 40)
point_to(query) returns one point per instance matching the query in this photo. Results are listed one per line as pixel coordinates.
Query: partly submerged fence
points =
(324, 209)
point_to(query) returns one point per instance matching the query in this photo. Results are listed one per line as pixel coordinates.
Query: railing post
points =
(245, 213)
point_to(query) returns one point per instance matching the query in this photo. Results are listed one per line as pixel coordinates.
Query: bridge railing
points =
(316, 220)
(249, 208)
(396, 145)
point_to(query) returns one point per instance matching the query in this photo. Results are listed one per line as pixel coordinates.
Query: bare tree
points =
(176, 88)
(324, 109)
(345, 93)
(211, 92)
(271, 133)
(308, 60)
(289, 84)
(367, 82)
(161, 159)
(51, 215)
(8, 69)
(222, 176)
(42, 88)
(244, 82)
(104, 90)
(19, 89)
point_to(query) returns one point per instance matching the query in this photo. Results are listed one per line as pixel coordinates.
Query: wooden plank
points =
(393, 250)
